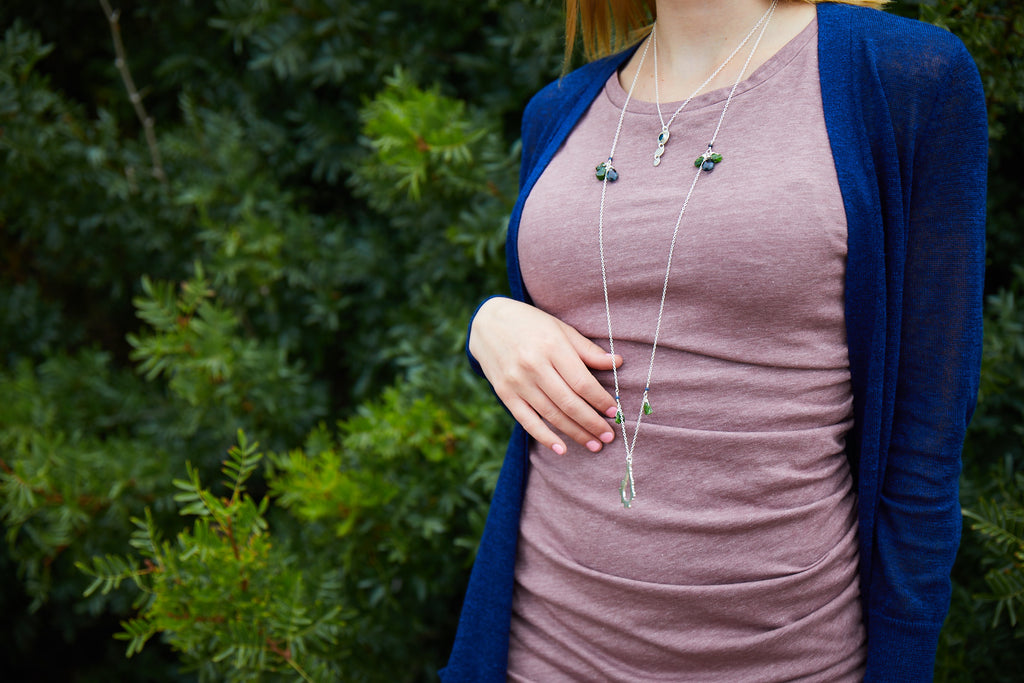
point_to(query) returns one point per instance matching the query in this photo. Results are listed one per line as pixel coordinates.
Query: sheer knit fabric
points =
(738, 559)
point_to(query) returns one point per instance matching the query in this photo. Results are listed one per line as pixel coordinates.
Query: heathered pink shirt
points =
(738, 560)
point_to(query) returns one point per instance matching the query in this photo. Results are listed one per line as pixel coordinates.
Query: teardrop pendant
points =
(647, 406)
(627, 489)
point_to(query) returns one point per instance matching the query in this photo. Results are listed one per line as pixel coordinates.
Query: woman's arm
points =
(918, 521)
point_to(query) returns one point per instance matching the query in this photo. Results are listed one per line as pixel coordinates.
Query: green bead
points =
(717, 158)
(618, 417)
(698, 161)
(647, 407)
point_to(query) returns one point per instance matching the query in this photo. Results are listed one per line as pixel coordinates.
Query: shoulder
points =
(564, 92)
(564, 98)
(883, 64)
(896, 50)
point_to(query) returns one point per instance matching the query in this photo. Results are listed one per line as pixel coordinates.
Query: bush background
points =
(285, 291)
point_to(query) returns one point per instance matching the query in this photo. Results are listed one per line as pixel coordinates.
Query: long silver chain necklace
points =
(606, 173)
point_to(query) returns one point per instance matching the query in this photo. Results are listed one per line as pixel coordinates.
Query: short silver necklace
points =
(606, 173)
(664, 135)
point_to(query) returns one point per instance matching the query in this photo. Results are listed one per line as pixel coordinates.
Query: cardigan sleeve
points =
(918, 521)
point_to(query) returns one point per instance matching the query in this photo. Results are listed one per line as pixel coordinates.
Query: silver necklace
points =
(606, 173)
(664, 135)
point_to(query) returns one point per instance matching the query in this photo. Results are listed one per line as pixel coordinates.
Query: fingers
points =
(539, 396)
(581, 380)
(579, 395)
(590, 353)
(564, 405)
(542, 428)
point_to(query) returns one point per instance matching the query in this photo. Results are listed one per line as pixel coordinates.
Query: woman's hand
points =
(539, 368)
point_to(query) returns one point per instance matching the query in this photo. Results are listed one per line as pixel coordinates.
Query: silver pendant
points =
(663, 137)
(627, 490)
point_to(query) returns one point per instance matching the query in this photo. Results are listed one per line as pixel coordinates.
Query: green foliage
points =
(308, 257)
(233, 606)
(74, 199)
(993, 31)
(197, 346)
(69, 470)
(397, 501)
(998, 426)
(379, 517)
(396, 124)
(1001, 523)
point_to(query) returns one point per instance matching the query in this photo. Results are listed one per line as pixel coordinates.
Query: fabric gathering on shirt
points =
(895, 97)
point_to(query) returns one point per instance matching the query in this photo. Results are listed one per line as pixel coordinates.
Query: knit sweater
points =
(905, 116)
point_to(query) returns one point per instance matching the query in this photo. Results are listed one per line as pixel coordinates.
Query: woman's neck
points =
(696, 36)
(704, 29)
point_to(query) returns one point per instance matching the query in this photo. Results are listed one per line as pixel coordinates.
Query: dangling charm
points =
(618, 417)
(627, 490)
(647, 405)
(606, 170)
(707, 160)
(662, 141)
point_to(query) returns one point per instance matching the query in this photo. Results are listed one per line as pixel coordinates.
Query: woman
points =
(782, 244)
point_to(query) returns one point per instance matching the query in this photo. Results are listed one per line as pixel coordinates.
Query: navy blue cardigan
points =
(905, 115)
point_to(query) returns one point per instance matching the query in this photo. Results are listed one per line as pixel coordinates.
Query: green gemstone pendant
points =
(606, 170)
(707, 160)
(647, 407)
(618, 417)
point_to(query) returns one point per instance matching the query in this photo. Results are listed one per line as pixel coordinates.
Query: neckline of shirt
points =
(616, 94)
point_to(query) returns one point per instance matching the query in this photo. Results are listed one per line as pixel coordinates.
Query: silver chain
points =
(664, 135)
(627, 489)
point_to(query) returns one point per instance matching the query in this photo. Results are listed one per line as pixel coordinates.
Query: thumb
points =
(592, 355)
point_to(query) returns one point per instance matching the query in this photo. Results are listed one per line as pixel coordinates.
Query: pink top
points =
(738, 559)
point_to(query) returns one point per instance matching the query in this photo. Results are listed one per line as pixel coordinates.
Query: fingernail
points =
(607, 437)
(611, 411)
(558, 448)
(594, 446)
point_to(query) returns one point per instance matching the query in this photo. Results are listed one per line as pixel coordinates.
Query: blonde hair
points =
(607, 26)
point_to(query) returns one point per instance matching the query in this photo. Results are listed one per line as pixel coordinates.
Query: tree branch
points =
(121, 62)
